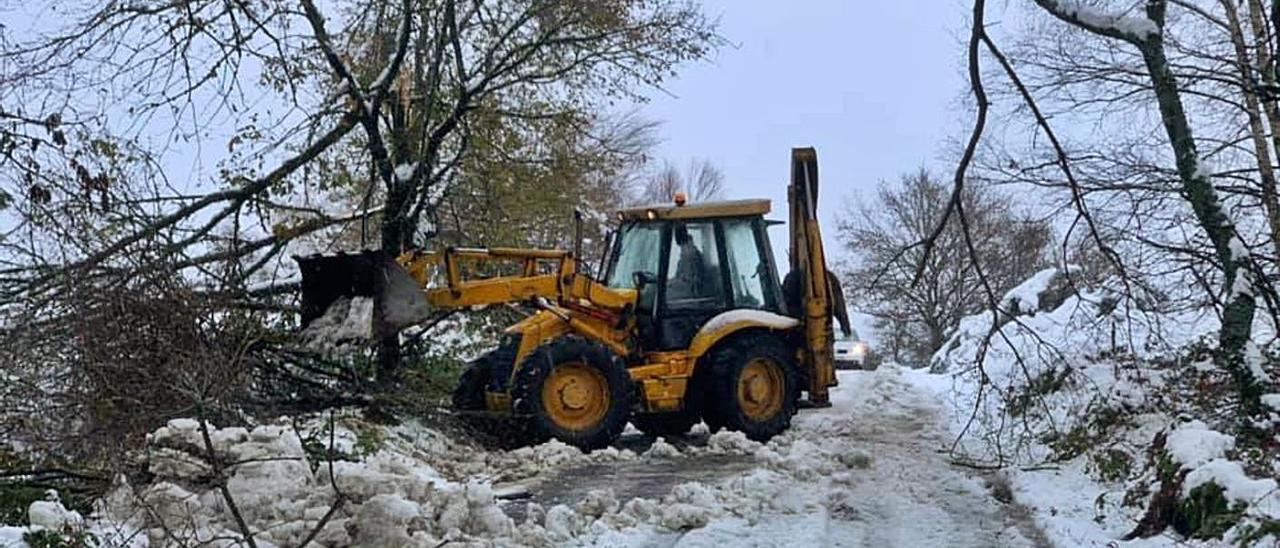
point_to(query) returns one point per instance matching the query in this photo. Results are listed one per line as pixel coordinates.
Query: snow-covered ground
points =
(868, 471)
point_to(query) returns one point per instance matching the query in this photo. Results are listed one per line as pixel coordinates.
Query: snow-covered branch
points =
(1130, 28)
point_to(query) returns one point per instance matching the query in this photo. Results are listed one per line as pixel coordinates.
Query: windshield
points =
(639, 250)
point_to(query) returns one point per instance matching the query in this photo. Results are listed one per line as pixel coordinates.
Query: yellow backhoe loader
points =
(688, 322)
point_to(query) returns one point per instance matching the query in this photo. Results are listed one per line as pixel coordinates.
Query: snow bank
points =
(1088, 379)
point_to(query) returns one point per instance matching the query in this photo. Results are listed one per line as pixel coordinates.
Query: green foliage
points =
(1205, 513)
(1167, 469)
(1089, 434)
(1042, 385)
(1252, 534)
(369, 439)
(433, 378)
(1111, 464)
(14, 500)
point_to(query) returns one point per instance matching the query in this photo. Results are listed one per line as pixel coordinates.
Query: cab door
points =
(752, 278)
(694, 282)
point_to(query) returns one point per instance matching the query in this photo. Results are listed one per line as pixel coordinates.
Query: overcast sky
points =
(872, 84)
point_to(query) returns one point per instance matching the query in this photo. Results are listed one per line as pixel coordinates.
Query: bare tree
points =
(378, 102)
(919, 317)
(1146, 34)
(702, 181)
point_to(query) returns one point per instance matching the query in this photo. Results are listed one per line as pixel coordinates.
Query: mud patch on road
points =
(649, 477)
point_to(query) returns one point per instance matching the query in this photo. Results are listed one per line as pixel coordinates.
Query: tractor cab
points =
(691, 262)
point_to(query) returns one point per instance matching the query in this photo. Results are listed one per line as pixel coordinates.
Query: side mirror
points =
(643, 278)
(577, 235)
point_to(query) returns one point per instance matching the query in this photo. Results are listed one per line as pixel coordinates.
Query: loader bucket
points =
(398, 301)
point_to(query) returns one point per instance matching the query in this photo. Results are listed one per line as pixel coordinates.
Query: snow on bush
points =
(1045, 365)
(1262, 495)
(1194, 443)
(1085, 377)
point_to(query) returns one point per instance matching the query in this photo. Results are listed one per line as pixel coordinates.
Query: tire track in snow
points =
(868, 471)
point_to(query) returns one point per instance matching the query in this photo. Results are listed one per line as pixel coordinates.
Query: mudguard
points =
(733, 321)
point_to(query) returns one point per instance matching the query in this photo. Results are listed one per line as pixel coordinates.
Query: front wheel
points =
(469, 400)
(575, 391)
(752, 387)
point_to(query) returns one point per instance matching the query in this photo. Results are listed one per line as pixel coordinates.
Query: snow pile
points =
(346, 320)
(402, 486)
(387, 498)
(1193, 444)
(50, 514)
(661, 449)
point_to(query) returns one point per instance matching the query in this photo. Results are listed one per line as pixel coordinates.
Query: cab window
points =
(638, 250)
(748, 270)
(693, 278)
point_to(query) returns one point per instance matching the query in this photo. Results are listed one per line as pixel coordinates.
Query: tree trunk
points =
(1238, 302)
(394, 240)
(1257, 127)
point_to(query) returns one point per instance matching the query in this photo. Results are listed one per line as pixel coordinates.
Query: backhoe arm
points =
(808, 261)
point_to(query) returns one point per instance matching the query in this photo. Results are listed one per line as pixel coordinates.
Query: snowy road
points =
(865, 472)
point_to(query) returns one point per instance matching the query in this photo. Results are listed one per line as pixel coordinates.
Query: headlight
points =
(859, 351)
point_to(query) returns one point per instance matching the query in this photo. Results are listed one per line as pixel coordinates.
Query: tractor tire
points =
(469, 395)
(576, 391)
(665, 424)
(751, 387)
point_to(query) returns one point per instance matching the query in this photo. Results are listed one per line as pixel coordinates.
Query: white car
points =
(851, 353)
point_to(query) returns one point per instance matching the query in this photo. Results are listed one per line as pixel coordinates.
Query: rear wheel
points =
(752, 387)
(575, 391)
